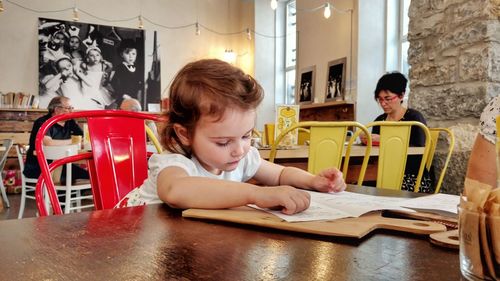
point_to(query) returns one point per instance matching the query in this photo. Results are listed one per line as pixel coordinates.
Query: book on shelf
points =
(18, 100)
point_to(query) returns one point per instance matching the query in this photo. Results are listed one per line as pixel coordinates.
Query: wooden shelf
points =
(324, 104)
(23, 109)
(328, 111)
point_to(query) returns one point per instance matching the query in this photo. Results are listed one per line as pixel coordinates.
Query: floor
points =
(13, 211)
(30, 209)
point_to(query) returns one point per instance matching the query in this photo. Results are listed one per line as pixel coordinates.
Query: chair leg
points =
(23, 202)
(4, 194)
(79, 201)
(67, 204)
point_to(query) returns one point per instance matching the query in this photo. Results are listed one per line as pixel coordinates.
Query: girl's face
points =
(389, 101)
(129, 56)
(220, 145)
(94, 57)
(74, 43)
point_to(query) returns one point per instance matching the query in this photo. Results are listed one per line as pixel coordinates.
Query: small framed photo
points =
(335, 81)
(305, 91)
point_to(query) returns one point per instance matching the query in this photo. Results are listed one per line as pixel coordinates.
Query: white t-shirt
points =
(148, 193)
(488, 120)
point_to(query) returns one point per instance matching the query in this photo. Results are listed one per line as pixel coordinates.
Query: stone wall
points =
(454, 56)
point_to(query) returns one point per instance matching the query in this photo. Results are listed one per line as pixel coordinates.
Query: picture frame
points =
(305, 91)
(335, 80)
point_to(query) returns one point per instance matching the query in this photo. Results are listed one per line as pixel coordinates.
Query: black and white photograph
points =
(335, 84)
(97, 66)
(305, 91)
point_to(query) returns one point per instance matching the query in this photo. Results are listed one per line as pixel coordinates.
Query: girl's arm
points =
(329, 180)
(178, 189)
(52, 81)
(481, 166)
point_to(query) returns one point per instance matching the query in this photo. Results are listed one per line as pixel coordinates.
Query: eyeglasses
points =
(386, 99)
(66, 107)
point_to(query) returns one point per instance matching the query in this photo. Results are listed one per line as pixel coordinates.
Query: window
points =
(403, 40)
(290, 51)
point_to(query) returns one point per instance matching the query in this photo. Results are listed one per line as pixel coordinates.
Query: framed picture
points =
(305, 91)
(335, 81)
(73, 52)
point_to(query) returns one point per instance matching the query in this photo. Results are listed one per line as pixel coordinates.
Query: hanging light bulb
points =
(197, 29)
(327, 13)
(249, 35)
(1, 6)
(141, 24)
(75, 14)
(274, 4)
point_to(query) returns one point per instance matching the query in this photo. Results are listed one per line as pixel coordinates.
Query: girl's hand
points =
(329, 180)
(289, 199)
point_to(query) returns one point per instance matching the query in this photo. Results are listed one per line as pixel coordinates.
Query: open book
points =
(331, 206)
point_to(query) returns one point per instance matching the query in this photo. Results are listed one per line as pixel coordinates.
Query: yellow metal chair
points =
(326, 146)
(435, 132)
(153, 139)
(393, 152)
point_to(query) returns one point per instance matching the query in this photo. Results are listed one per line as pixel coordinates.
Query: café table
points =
(302, 151)
(155, 242)
(297, 156)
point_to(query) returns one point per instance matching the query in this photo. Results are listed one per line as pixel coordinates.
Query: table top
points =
(302, 151)
(155, 243)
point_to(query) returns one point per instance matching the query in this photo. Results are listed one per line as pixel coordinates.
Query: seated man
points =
(131, 104)
(58, 134)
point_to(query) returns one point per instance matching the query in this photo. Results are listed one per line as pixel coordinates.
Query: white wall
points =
(361, 39)
(371, 56)
(265, 62)
(322, 40)
(19, 33)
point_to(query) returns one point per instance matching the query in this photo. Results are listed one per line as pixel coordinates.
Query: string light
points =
(327, 13)
(229, 56)
(141, 24)
(145, 19)
(274, 4)
(249, 34)
(75, 14)
(197, 32)
(1, 6)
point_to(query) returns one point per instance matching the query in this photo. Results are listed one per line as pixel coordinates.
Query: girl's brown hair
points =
(206, 87)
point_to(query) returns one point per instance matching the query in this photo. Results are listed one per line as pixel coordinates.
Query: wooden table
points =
(155, 243)
(298, 156)
(302, 151)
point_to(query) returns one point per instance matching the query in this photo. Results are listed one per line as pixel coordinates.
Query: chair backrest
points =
(153, 139)
(393, 152)
(6, 144)
(435, 132)
(117, 163)
(326, 145)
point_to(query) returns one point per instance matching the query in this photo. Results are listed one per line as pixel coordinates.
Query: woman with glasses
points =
(58, 134)
(389, 93)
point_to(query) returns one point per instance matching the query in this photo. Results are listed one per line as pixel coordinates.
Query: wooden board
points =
(348, 227)
(447, 239)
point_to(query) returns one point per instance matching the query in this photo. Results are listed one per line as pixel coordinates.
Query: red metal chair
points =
(117, 163)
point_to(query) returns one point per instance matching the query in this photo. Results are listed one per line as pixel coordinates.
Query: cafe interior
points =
(319, 63)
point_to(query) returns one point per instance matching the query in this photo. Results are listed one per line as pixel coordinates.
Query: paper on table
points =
(331, 206)
(440, 202)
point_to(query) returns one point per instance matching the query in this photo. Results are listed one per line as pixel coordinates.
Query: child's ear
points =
(182, 133)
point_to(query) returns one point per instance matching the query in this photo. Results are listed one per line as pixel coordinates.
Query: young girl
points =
(211, 116)
(95, 73)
